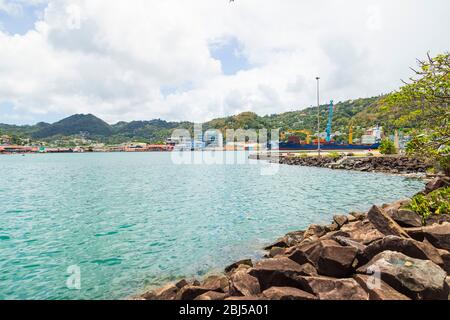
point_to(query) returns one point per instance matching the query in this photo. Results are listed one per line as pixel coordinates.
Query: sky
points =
(201, 59)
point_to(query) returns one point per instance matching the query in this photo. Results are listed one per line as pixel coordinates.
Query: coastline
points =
(391, 164)
(334, 262)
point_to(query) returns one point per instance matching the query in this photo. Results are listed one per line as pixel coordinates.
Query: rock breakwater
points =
(387, 253)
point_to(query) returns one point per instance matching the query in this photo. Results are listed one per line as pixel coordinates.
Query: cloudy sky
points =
(200, 59)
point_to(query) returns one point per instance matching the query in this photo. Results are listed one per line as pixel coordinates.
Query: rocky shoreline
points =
(386, 164)
(388, 253)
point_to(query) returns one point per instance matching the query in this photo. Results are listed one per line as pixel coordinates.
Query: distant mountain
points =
(362, 113)
(73, 125)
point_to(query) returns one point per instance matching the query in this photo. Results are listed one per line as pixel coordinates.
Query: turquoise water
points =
(131, 221)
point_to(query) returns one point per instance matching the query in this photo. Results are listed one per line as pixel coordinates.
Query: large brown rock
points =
(287, 293)
(289, 240)
(244, 284)
(252, 298)
(415, 278)
(377, 289)
(212, 295)
(335, 260)
(217, 283)
(315, 230)
(391, 208)
(344, 241)
(340, 220)
(362, 231)
(437, 218)
(299, 256)
(276, 251)
(447, 283)
(409, 247)
(437, 183)
(231, 267)
(334, 289)
(407, 218)
(445, 256)
(191, 292)
(437, 234)
(279, 272)
(384, 223)
(168, 292)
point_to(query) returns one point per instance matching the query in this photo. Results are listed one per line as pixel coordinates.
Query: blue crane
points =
(330, 121)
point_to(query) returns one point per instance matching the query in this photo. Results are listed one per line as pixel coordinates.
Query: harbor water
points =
(124, 222)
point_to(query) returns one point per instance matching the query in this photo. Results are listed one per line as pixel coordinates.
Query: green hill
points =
(73, 125)
(362, 113)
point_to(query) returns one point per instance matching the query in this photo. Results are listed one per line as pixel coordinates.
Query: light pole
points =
(318, 115)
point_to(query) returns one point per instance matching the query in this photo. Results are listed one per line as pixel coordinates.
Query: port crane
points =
(330, 121)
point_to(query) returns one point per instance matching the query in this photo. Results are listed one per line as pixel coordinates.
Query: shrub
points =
(334, 155)
(350, 154)
(437, 202)
(387, 147)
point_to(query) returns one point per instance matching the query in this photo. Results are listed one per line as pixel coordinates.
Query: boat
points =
(289, 146)
(327, 144)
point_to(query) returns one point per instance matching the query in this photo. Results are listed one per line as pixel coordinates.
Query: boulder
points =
(332, 227)
(276, 251)
(437, 234)
(377, 289)
(345, 241)
(315, 230)
(182, 283)
(279, 272)
(384, 223)
(409, 247)
(168, 292)
(415, 278)
(335, 260)
(255, 298)
(445, 256)
(334, 289)
(437, 183)
(244, 284)
(217, 283)
(407, 218)
(289, 240)
(437, 219)
(447, 284)
(340, 220)
(191, 292)
(362, 231)
(299, 256)
(395, 206)
(359, 215)
(212, 295)
(235, 265)
(287, 293)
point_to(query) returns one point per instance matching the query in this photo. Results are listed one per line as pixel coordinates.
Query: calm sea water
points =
(131, 221)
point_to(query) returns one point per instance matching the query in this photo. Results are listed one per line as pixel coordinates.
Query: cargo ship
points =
(293, 143)
(289, 146)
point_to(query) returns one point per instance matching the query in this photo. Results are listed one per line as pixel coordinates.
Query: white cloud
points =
(125, 52)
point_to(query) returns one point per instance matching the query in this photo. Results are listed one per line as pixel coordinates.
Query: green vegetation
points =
(423, 104)
(437, 202)
(93, 128)
(387, 147)
(334, 155)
